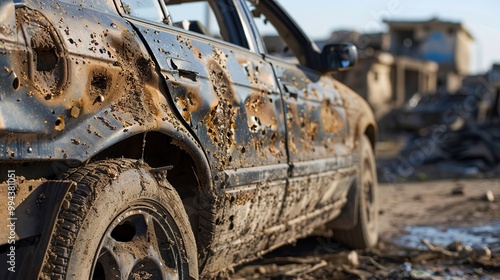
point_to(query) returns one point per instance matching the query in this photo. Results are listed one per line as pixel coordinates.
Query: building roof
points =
(407, 24)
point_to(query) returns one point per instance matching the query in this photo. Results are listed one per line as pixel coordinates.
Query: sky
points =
(482, 18)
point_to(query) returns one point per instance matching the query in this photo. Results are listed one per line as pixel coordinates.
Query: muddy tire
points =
(365, 233)
(121, 223)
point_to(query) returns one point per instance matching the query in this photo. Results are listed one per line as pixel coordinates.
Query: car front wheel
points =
(121, 223)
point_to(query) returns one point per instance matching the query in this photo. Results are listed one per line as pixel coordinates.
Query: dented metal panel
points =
(316, 118)
(81, 69)
(228, 97)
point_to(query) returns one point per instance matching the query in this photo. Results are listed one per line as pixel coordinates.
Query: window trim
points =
(310, 51)
(166, 15)
(243, 41)
(250, 30)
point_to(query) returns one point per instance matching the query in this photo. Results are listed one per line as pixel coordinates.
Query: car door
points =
(317, 128)
(230, 99)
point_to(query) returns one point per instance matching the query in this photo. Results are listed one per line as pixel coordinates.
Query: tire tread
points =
(89, 178)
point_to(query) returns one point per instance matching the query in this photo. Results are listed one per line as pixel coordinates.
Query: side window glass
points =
(275, 43)
(144, 9)
(197, 16)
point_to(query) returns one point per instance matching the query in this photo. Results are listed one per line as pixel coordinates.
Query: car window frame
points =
(310, 50)
(166, 20)
(244, 41)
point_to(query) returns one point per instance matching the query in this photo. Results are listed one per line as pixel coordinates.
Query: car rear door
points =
(319, 150)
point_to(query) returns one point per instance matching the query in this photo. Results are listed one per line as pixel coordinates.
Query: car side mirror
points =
(338, 57)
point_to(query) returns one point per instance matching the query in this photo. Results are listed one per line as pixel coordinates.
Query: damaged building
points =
(412, 57)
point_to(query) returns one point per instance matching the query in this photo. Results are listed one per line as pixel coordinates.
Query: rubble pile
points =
(473, 151)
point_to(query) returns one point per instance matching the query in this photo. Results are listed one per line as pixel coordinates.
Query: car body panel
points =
(274, 144)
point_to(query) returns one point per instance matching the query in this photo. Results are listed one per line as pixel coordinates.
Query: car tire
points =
(121, 223)
(365, 233)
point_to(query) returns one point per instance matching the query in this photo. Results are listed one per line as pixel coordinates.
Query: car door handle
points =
(188, 74)
(183, 73)
(291, 91)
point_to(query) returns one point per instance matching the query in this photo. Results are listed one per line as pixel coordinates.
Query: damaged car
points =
(162, 140)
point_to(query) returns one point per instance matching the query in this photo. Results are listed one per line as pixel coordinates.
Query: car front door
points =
(229, 98)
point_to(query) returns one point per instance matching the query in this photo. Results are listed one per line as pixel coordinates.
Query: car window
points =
(278, 40)
(197, 16)
(149, 10)
(218, 19)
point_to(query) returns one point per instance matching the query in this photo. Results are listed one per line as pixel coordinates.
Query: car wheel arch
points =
(188, 169)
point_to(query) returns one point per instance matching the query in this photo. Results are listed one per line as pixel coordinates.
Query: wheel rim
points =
(140, 244)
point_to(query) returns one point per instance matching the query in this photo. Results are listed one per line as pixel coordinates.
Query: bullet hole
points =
(98, 99)
(59, 124)
(16, 83)
(274, 136)
(256, 120)
(231, 224)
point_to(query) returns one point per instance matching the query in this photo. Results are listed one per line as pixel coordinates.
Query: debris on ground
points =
(386, 261)
(426, 232)
(489, 196)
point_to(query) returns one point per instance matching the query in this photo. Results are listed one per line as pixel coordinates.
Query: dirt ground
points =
(446, 229)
